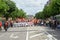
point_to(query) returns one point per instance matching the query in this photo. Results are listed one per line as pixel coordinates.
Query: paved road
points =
(13, 34)
(25, 33)
(55, 33)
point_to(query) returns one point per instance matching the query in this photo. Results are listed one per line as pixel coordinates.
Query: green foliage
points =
(3, 7)
(51, 9)
(21, 14)
(39, 15)
(9, 9)
(11, 5)
(18, 13)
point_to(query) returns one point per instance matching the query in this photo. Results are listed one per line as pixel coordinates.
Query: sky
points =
(31, 7)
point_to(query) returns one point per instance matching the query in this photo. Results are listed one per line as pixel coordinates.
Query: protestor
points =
(58, 24)
(11, 23)
(0, 25)
(38, 21)
(6, 25)
(3, 23)
(50, 24)
(47, 22)
(42, 23)
(54, 24)
(35, 22)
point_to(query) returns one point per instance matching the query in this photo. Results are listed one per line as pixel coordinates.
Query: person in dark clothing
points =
(54, 24)
(11, 23)
(6, 25)
(50, 24)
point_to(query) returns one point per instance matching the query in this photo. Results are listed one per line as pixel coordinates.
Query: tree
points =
(12, 7)
(52, 9)
(3, 7)
(18, 13)
(39, 15)
(9, 9)
(21, 14)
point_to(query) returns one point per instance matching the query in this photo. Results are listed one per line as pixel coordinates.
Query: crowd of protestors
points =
(48, 23)
(53, 24)
(6, 24)
(9, 23)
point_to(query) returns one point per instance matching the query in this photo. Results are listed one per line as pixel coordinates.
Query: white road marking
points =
(12, 36)
(36, 35)
(50, 36)
(27, 34)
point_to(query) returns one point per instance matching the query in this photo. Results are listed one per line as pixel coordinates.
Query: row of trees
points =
(9, 9)
(51, 9)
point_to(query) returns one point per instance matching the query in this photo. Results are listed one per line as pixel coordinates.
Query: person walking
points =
(47, 23)
(54, 24)
(6, 25)
(50, 24)
(42, 23)
(11, 23)
(0, 25)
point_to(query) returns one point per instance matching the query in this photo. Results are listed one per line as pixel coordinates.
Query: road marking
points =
(50, 36)
(36, 35)
(27, 34)
(12, 36)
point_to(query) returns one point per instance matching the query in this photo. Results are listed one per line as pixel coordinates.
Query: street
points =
(29, 19)
(26, 33)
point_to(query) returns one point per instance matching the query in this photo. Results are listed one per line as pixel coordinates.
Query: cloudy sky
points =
(31, 7)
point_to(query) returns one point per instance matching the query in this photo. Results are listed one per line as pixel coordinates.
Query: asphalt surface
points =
(55, 33)
(26, 33)
(13, 34)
